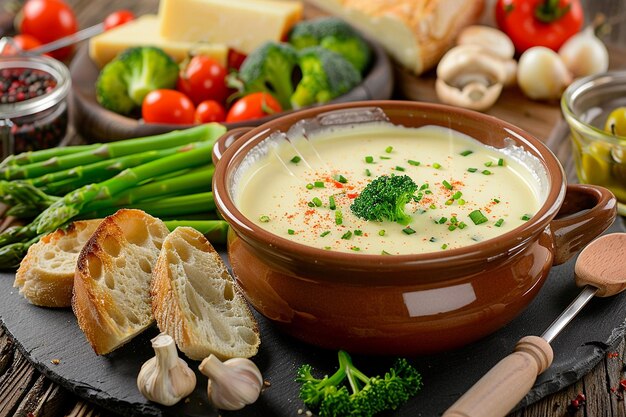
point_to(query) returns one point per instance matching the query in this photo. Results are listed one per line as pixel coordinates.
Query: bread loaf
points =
(111, 298)
(416, 33)
(195, 300)
(46, 274)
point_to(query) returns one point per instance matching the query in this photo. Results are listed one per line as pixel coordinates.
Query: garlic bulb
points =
(233, 384)
(165, 378)
(584, 54)
(541, 74)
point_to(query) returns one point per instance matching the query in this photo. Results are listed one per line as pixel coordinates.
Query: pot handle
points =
(226, 140)
(587, 211)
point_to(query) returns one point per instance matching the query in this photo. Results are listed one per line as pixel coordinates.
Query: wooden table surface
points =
(24, 392)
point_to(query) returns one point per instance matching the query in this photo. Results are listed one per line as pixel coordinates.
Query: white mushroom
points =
(541, 74)
(470, 76)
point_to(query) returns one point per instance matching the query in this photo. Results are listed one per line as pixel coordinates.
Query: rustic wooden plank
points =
(6, 351)
(15, 384)
(84, 409)
(44, 399)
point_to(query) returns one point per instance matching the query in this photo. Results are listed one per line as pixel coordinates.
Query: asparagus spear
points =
(207, 132)
(11, 255)
(214, 230)
(30, 157)
(170, 207)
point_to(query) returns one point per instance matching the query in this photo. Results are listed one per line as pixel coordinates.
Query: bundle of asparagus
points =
(168, 176)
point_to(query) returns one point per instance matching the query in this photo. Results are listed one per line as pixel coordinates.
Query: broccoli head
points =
(365, 397)
(334, 34)
(325, 75)
(269, 69)
(124, 82)
(385, 198)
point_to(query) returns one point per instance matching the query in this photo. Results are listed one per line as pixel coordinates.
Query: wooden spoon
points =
(601, 269)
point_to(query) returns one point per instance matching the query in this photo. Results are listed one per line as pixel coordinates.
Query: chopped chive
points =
(424, 186)
(384, 252)
(500, 162)
(472, 169)
(495, 200)
(317, 201)
(338, 217)
(326, 233)
(526, 217)
(442, 220)
(414, 163)
(462, 225)
(358, 232)
(369, 159)
(452, 227)
(444, 246)
(428, 192)
(477, 217)
(355, 248)
(340, 178)
(486, 172)
(381, 232)
(432, 206)
(310, 204)
(453, 220)
(436, 165)
(499, 222)
(449, 202)
(418, 197)
(331, 203)
(295, 159)
(388, 149)
(291, 232)
(408, 231)
(309, 186)
(447, 184)
(384, 157)
(327, 248)
(319, 184)
(347, 235)
(488, 163)
(368, 172)
(457, 195)
(432, 239)
(461, 202)
(468, 152)
(264, 219)
(399, 168)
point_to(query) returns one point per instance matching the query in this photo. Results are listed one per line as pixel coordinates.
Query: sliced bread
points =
(112, 282)
(195, 300)
(46, 274)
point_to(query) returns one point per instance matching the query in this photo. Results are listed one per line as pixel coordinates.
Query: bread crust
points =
(175, 319)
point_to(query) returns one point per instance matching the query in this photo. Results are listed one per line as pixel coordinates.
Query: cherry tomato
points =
(167, 106)
(253, 106)
(203, 79)
(546, 23)
(235, 59)
(210, 111)
(23, 42)
(47, 21)
(118, 18)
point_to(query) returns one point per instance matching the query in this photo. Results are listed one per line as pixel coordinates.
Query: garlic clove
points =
(233, 384)
(584, 54)
(492, 39)
(165, 378)
(541, 74)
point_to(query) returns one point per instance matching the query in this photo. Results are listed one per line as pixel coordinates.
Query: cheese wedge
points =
(145, 32)
(241, 24)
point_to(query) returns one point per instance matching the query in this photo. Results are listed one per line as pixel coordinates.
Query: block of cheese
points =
(144, 31)
(241, 24)
(416, 33)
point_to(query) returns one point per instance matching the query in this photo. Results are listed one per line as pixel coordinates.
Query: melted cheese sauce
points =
(282, 190)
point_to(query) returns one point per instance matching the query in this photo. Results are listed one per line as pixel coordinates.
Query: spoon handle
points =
(500, 389)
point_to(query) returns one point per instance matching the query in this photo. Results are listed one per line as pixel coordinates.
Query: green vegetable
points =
(124, 82)
(385, 198)
(366, 396)
(29, 157)
(333, 34)
(478, 217)
(325, 75)
(214, 230)
(270, 69)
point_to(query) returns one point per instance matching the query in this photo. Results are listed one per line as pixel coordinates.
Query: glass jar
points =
(33, 103)
(600, 156)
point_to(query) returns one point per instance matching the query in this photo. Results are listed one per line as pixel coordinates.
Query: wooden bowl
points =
(97, 124)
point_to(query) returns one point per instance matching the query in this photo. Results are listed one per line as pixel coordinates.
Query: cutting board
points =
(44, 335)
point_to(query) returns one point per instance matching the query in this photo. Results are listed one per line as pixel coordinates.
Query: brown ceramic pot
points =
(406, 304)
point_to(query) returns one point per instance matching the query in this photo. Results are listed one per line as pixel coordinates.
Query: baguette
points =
(195, 300)
(46, 274)
(111, 297)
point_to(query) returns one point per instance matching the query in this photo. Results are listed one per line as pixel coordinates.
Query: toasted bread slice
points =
(46, 274)
(112, 282)
(195, 300)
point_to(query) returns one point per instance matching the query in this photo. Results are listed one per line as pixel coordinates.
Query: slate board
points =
(46, 334)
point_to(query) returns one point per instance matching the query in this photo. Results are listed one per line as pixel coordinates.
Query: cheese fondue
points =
(302, 189)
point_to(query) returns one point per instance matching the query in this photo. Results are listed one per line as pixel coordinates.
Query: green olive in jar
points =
(616, 122)
(596, 163)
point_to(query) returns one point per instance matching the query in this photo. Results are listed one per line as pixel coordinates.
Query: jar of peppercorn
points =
(33, 103)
